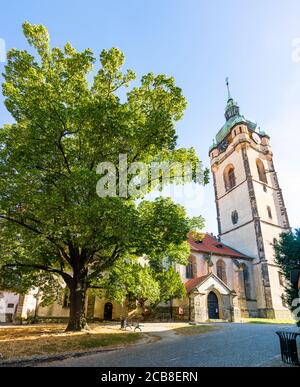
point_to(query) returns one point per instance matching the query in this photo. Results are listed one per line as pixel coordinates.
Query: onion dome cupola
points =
(233, 118)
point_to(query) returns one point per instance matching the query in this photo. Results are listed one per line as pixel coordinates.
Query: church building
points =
(251, 214)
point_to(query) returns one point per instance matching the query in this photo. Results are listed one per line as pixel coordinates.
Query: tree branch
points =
(60, 147)
(65, 276)
(96, 287)
(37, 232)
(21, 224)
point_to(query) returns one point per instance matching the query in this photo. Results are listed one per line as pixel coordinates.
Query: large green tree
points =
(150, 279)
(287, 256)
(131, 282)
(68, 118)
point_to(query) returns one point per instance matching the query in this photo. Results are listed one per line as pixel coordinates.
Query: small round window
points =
(234, 217)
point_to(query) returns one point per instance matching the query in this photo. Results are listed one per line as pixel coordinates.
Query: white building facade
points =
(250, 209)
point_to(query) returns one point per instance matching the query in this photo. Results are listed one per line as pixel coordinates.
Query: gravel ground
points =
(239, 345)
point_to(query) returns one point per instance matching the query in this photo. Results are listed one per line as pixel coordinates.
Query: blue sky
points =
(198, 42)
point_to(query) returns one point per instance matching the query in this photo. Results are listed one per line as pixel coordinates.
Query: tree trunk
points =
(142, 305)
(77, 320)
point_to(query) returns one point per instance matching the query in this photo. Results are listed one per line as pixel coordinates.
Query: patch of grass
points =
(92, 342)
(19, 342)
(268, 321)
(195, 329)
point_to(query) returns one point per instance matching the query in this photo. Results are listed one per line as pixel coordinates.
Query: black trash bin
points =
(288, 346)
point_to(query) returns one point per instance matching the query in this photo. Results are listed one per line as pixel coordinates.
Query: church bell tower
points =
(250, 209)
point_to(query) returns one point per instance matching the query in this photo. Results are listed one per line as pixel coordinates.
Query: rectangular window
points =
(10, 305)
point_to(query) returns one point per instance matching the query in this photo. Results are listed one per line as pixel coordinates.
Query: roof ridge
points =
(211, 244)
(194, 282)
(220, 280)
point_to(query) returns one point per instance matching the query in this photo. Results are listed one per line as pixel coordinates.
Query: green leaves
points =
(38, 37)
(136, 282)
(163, 230)
(287, 251)
(51, 217)
(287, 256)
(109, 78)
(171, 285)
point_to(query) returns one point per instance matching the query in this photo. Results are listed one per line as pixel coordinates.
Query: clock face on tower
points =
(223, 145)
(256, 138)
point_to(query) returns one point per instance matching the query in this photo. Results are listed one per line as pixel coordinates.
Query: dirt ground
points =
(43, 339)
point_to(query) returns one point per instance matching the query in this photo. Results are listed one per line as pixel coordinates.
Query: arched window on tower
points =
(246, 278)
(189, 270)
(261, 171)
(229, 177)
(221, 270)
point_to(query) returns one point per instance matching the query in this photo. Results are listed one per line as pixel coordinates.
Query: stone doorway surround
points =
(198, 291)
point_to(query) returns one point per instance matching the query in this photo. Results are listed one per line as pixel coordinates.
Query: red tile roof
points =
(210, 244)
(192, 283)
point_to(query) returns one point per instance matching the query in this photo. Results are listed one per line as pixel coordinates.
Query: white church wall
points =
(29, 304)
(236, 280)
(261, 302)
(8, 305)
(268, 200)
(201, 264)
(266, 194)
(235, 200)
(242, 239)
(270, 232)
(277, 291)
(252, 284)
(253, 155)
(228, 267)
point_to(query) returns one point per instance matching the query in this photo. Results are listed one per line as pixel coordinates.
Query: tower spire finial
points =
(228, 90)
(232, 108)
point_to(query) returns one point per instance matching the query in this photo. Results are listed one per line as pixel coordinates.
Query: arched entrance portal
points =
(213, 306)
(108, 311)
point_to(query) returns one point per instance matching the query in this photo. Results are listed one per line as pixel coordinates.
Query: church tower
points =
(250, 208)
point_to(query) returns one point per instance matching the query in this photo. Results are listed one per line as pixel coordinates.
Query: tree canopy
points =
(69, 117)
(130, 282)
